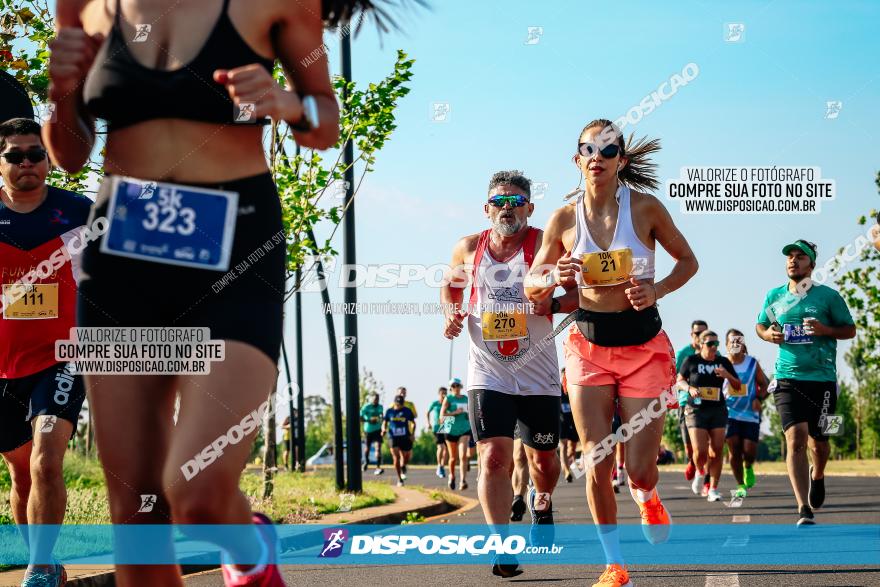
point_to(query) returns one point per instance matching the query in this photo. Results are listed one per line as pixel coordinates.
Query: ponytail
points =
(341, 12)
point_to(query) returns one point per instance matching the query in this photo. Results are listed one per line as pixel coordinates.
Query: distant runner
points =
(372, 416)
(433, 421)
(702, 376)
(744, 411)
(456, 429)
(806, 320)
(698, 327)
(397, 422)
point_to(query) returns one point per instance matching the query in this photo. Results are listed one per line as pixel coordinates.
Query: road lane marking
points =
(727, 580)
(742, 519)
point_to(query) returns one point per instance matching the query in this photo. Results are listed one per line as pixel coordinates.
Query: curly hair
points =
(512, 177)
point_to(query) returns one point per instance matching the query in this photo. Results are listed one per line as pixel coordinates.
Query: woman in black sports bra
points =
(184, 88)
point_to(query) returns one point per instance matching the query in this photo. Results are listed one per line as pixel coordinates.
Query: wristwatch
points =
(555, 306)
(310, 119)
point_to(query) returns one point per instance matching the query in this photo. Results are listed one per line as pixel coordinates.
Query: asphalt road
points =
(851, 500)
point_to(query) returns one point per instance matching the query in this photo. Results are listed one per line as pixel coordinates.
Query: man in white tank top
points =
(513, 374)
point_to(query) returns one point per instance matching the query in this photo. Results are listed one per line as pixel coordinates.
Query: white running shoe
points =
(714, 495)
(697, 483)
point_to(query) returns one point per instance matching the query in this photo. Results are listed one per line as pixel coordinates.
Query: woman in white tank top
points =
(603, 245)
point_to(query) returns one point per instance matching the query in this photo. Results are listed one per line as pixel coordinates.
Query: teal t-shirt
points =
(371, 411)
(459, 424)
(802, 356)
(682, 354)
(434, 414)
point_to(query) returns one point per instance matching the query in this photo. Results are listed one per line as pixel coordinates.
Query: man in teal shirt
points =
(698, 327)
(806, 320)
(433, 417)
(371, 416)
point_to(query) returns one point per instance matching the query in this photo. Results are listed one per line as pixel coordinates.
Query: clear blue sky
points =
(760, 102)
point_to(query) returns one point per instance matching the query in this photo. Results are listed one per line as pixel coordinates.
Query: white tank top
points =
(626, 256)
(506, 352)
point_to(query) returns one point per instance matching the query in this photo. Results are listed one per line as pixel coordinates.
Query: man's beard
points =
(508, 228)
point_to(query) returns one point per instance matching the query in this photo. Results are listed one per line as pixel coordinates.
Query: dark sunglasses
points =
(590, 149)
(18, 157)
(712, 343)
(517, 201)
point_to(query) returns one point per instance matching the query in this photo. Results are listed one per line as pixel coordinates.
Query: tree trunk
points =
(90, 434)
(270, 459)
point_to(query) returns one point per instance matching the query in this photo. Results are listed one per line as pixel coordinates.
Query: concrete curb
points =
(408, 500)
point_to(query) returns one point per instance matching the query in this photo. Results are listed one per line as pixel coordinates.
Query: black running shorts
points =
(243, 304)
(55, 391)
(493, 413)
(806, 401)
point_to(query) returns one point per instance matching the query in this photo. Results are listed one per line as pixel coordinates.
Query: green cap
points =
(806, 247)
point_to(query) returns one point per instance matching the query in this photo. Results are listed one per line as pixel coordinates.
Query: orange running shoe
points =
(656, 521)
(614, 576)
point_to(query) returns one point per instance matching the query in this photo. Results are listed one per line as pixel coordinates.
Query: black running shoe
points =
(805, 517)
(539, 535)
(817, 491)
(452, 483)
(517, 508)
(506, 567)
(568, 477)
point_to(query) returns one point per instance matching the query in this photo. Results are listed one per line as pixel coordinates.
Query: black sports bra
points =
(124, 92)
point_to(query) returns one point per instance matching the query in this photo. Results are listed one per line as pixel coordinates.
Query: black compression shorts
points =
(493, 413)
(245, 306)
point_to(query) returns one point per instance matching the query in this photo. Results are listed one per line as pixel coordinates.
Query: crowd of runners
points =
(519, 414)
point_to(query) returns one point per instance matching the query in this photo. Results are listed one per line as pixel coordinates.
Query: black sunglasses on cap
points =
(18, 157)
(590, 149)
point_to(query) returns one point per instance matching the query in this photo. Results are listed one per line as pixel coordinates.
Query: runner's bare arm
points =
(452, 292)
(298, 37)
(69, 135)
(443, 407)
(670, 238)
(552, 260)
(761, 382)
(769, 334)
(837, 332)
